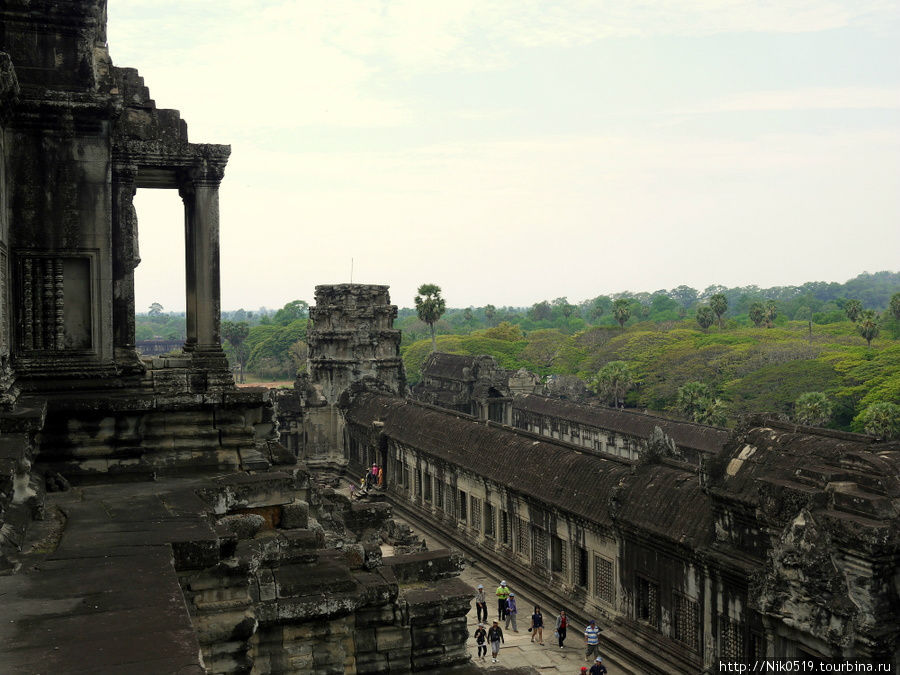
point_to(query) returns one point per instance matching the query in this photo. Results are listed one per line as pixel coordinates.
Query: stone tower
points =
(353, 337)
(352, 343)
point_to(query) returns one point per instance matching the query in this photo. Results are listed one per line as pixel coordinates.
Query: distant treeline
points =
(821, 301)
(751, 349)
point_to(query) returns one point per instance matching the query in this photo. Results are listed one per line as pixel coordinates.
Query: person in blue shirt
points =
(537, 625)
(592, 640)
(511, 612)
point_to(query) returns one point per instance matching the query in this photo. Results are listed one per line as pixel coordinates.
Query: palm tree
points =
(812, 409)
(868, 325)
(757, 313)
(895, 305)
(705, 317)
(719, 304)
(430, 307)
(881, 420)
(691, 398)
(489, 313)
(614, 380)
(771, 313)
(853, 308)
(622, 311)
(696, 401)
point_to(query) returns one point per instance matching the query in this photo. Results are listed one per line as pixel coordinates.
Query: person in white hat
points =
(480, 604)
(511, 611)
(502, 595)
(598, 668)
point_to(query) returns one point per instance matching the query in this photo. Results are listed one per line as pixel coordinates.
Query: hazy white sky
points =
(518, 150)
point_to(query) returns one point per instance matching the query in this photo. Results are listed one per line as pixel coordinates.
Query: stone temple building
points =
(690, 544)
(154, 518)
(150, 521)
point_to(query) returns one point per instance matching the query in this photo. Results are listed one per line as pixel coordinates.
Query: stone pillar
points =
(125, 259)
(187, 193)
(200, 192)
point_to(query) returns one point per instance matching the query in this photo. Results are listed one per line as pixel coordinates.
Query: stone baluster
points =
(59, 299)
(28, 310)
(37, 295)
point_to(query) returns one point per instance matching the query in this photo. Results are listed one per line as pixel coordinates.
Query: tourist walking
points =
(511, 612)
(480, 604)
(592, 640)
(502, 595)
(481, 641)
(562, 624)
(495, 637)
(537, 625)
(598, 668)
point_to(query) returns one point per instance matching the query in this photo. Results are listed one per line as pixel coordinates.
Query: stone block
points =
(427, 637)
(328, 577)
(295, 515)
(424, 566)
(392, 637)
(266, 584)
(223, 626)
(371, 663)
(243, 525)
(365, 639)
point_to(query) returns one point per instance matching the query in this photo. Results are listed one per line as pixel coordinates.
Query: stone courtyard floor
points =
(518, 651)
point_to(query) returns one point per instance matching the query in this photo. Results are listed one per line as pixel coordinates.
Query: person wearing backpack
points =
(481, 641)
(495, 637)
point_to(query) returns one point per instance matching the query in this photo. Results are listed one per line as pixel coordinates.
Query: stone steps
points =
(136, 445)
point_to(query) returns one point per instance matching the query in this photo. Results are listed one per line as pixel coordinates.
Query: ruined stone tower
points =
(352, 344)
(353, 337)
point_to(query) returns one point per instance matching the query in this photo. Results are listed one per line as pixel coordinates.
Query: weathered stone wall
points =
(301, 588)
(621, 433)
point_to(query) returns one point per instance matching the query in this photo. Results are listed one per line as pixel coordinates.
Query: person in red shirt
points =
(562, 624)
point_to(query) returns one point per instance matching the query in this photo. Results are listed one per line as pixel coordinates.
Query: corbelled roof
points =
(659, 498)
(787, 454)
(450, 366)
(685, 434)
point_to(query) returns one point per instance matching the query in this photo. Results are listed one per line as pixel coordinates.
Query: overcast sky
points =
(518, 150)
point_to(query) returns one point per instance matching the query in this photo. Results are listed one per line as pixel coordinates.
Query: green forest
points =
(820, 352)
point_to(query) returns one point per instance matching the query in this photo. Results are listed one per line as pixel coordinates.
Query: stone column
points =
(187, 193)
(125, 258)
(200, 192)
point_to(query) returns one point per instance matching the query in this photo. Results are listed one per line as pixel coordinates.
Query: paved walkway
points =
(518, 650)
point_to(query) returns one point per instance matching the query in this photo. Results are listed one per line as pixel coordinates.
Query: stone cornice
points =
(55, 111)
